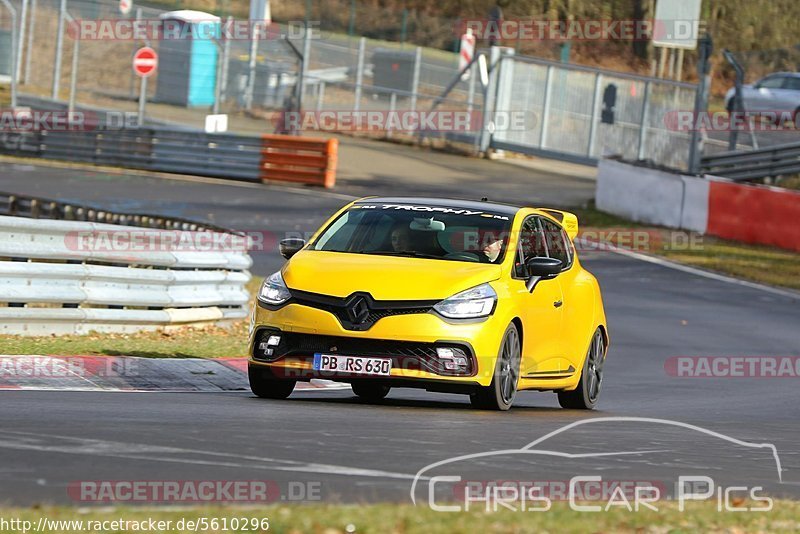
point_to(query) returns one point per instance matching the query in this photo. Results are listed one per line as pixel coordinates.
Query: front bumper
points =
(410, 340)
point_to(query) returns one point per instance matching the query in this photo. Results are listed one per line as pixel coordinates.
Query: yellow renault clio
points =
(456, 296)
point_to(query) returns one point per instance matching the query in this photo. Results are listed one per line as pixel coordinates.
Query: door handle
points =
(558, 303)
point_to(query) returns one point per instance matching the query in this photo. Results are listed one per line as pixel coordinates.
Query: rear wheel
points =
(370, 391)
(499, 395)
(264, 384)
(585, 396)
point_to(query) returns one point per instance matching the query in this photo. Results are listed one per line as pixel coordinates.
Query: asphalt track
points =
(358, 452)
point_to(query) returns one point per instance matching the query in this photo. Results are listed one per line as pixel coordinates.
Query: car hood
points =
(384, 277)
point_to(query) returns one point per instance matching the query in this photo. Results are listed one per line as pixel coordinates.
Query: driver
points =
(400, 238)
(492, 248)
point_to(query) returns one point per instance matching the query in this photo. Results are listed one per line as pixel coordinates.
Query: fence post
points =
(23, 18)
(415, 78)
(488, 98)
(29, 48)
(595, 108)
(362, 44)
(304, 67)
(392, 109)
(73, 80)
(548, 88)
(643, 122)
(251, 69)
(62, 14)
(320, 96)
(700, 100)
(226, 54)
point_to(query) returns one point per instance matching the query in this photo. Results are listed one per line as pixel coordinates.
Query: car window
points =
(531, 244)
(556, 244)
(421, 231)
(792, 82)
(773, 82)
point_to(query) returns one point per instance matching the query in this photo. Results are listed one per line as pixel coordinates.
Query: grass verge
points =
(757, 263)
(406, 519)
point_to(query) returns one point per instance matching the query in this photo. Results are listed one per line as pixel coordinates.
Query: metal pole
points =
(485, 136)
(23, 18)
(29, 48)
(392, 108)
(226, 54)
(738, 104)
(471, 87)
(643, 122)
(218, 84)
(595, 109)
(142, 100)
(548, 88)
(362, 44)
(320, 96)
(700, 100)
(73, 80)
(251, 76)
(62, 14)
(14, 45)
(415, 78)
(304, 68)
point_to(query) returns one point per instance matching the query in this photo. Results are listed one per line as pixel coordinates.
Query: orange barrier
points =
(754, 214)
(305, 160)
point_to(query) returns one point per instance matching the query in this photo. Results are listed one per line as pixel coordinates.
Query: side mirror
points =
(541, 268)
(291, 246)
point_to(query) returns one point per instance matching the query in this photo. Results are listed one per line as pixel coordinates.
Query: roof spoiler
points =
(568, 220)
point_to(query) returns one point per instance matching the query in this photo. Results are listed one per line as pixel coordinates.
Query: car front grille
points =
(404, 354)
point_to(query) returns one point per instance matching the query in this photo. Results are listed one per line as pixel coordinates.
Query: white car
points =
(776, 92)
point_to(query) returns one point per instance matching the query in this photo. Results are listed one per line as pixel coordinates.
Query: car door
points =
(764, 94)
(789, 98)
(541, 310)
(574, 295)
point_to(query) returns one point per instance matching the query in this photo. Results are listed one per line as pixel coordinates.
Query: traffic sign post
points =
(145, 64)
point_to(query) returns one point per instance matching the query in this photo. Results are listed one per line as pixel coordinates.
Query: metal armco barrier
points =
(306, 160)
(755, 164)
(73, 277)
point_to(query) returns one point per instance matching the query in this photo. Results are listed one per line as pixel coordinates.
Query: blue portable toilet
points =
(187, 58)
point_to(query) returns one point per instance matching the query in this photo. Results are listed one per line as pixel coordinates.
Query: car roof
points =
(476, 205)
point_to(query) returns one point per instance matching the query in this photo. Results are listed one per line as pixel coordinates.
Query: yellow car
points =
(456, 296)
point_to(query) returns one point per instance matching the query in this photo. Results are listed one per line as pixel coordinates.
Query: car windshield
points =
(419, 231)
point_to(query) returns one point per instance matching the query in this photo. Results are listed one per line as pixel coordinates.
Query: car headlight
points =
(476, 302)
(274, 291)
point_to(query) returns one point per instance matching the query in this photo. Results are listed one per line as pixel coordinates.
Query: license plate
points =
(356, 365)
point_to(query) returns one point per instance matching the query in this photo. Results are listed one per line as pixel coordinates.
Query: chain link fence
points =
(563, 103)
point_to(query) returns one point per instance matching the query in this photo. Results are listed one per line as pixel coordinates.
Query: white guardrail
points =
(57, 278)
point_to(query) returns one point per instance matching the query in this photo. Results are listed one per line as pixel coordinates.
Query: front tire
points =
(585, 396)
(499, 395)
(370, 391)
(264, 384)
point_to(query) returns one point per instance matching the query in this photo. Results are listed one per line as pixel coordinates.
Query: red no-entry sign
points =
(145, 62)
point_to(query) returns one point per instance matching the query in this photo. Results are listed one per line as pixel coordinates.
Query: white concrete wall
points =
(652, 196)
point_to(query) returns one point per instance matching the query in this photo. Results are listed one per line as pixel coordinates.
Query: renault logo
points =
(358, 311)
